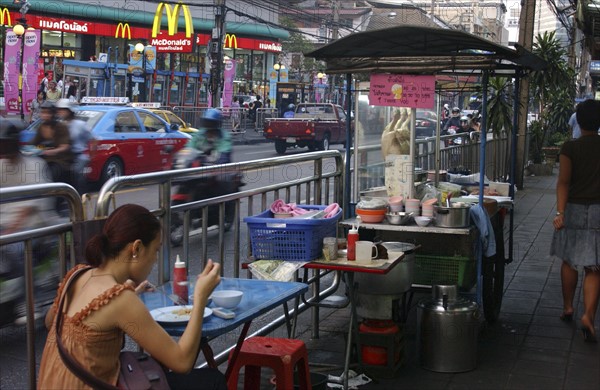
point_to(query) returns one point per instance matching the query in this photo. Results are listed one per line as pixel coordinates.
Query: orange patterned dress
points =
(97, 351)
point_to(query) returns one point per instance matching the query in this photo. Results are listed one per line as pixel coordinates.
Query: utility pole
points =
(526, 25)
(335, 34)
(216, 53)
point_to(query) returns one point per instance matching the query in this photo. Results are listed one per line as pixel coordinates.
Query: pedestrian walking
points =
(36, 106)
(576, 239)
(574, 126)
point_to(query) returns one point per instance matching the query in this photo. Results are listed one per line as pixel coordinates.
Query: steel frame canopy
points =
(422, 50)
(429, 50)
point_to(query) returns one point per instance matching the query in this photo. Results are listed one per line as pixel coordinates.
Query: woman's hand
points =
(140, 288)
(207, 281)
(559, 222)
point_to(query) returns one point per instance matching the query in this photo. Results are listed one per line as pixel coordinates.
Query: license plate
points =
(290, 140)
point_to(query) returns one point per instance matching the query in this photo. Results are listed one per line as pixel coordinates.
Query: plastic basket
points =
(290, 239)
(459, 270)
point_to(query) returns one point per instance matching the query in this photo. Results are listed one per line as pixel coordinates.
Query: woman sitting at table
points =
(101, 305)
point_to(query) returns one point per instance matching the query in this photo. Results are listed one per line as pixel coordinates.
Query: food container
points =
(371, 216)
(398, 218)
(456, 216)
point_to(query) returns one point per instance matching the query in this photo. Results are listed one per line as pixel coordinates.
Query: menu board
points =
(402, 91)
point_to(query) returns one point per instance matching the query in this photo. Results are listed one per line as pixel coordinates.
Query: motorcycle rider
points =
(289, 111)
(211, 140)
(453, 121)
(19, 170)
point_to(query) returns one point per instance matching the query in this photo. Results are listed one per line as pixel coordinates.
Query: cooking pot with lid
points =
(456, 216)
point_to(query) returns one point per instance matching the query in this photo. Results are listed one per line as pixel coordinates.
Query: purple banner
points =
(11, 71)
(31, 65)
(228, 76)
(12, 57)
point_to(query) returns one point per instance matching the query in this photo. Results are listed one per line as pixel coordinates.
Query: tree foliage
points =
(553, 91)
(298, 44)
(499, 109)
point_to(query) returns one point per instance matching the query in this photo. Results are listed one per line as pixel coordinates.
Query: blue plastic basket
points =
(290, 239)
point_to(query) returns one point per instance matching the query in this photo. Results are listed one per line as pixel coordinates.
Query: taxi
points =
(126, 140)
(171, 118)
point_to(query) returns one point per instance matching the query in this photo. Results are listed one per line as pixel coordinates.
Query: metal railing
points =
(59, 229)
(237, 120)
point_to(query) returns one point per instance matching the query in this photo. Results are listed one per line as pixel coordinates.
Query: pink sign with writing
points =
(29, 72)
(402, 91)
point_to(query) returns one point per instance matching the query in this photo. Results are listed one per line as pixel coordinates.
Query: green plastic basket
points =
(459, 270)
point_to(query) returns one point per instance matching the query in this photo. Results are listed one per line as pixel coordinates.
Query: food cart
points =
(410, 52)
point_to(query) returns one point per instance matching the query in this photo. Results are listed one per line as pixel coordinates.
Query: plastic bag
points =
(278, 270)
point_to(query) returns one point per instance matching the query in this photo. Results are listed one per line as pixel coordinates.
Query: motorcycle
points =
(12, 279)
(201, 187)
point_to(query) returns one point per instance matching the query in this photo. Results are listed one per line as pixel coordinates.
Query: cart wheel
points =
(493, 288)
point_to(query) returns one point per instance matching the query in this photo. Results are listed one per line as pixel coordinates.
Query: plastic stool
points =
(280, 354)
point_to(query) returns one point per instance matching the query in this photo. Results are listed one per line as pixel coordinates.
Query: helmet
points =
(291, 107)
(10, 129)
(213, 115)
(446, 105)
(211, 119)
(64, 103)
(455, 109)
(464, 118)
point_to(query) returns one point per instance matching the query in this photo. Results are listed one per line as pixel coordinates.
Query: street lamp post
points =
(19, 30)
(279, 67)
(141, 48)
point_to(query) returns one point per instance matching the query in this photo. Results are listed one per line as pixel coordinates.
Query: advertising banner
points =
(12, 48)
(402, 91)
(137, 61)
(228, 76)
(31, 67)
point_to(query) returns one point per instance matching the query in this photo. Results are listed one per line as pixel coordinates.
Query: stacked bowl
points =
(427, 207)
(412, 206)
(372, 210)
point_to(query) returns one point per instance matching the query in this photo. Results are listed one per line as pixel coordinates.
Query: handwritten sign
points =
(402, 91)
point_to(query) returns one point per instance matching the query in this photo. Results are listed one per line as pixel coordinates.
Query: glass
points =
(152, 123)
(126, 122)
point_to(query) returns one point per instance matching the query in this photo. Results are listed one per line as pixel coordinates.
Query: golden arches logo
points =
(5, 18)
(230, 41)
(125, 30)
(173, 19)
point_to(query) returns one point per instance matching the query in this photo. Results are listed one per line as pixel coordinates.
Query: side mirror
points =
(189, 124)
(174, 127)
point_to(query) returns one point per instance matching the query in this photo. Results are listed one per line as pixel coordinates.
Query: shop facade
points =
(174, 69)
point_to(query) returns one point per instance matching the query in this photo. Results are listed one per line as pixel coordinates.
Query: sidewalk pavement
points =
(529, 347)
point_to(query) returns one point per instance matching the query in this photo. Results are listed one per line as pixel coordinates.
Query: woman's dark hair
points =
(588, 115)
(126, 224)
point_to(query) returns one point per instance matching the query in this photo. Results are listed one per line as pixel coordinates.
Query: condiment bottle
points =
(352, 238)
(180, 282)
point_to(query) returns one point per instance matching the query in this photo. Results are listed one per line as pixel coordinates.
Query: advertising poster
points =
(31, 68)
(402, 91)
(228, 76)
(11, 72)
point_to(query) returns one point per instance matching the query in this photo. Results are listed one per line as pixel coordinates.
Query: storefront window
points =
(258, 67)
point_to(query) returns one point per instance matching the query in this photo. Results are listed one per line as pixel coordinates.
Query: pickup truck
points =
(314, 125)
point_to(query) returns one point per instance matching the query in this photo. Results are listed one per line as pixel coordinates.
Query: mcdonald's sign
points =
(124, 29)
(5, 18)
(173, 19)
(230, 41)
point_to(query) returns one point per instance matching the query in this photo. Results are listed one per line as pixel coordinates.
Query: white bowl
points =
(229, 299)
(423, 221)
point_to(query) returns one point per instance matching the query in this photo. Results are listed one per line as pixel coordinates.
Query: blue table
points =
(260, 296)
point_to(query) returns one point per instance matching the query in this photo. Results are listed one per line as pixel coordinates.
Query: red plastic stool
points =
(280, 354)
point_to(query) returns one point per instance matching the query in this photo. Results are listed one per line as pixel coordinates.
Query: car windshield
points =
(89, 117)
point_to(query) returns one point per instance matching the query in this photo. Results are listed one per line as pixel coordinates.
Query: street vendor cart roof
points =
(417, 49)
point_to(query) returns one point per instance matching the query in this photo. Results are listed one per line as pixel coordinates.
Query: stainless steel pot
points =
(398, 280)
(447, 330)
(456, 216)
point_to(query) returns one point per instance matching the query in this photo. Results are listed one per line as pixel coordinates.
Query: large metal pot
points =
(456, 216)
(447, 330)
(398, 280)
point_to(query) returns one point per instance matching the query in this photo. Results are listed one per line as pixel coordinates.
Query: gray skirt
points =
(578, 242)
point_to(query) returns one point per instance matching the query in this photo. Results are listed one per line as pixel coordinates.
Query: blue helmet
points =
(212, 119)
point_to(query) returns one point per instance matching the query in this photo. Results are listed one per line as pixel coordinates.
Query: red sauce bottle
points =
(352, 238)
(180, 282)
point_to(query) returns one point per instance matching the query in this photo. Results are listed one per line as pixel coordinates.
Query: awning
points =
(426, 50)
